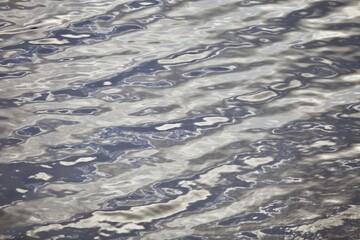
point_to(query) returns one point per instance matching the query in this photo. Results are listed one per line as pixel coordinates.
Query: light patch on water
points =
(208, 121)
(255, 162)
(79, 160)
(322, 143)
(76, 36)
(107, 83)
(41, 176)
(20, 190)
(168, 126)
(286, 86)
(45, 166)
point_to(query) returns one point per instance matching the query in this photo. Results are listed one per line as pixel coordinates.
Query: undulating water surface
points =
(179, 119)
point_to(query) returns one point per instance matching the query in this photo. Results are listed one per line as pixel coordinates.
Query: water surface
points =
(173, 119)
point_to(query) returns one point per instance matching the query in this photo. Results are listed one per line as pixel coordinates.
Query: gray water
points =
(171, 119)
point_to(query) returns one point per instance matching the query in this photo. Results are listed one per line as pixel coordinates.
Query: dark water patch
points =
(66, 111)
(13, 75)
(8, 142)
(29, 131)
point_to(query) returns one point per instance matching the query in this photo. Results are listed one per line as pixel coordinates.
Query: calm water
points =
(174, 119)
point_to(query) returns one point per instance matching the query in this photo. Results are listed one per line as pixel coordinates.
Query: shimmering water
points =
(173, 119)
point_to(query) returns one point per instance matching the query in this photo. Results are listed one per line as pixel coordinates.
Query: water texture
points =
(174, 119)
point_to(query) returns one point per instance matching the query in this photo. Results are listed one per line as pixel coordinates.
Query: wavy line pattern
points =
(174, 119)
